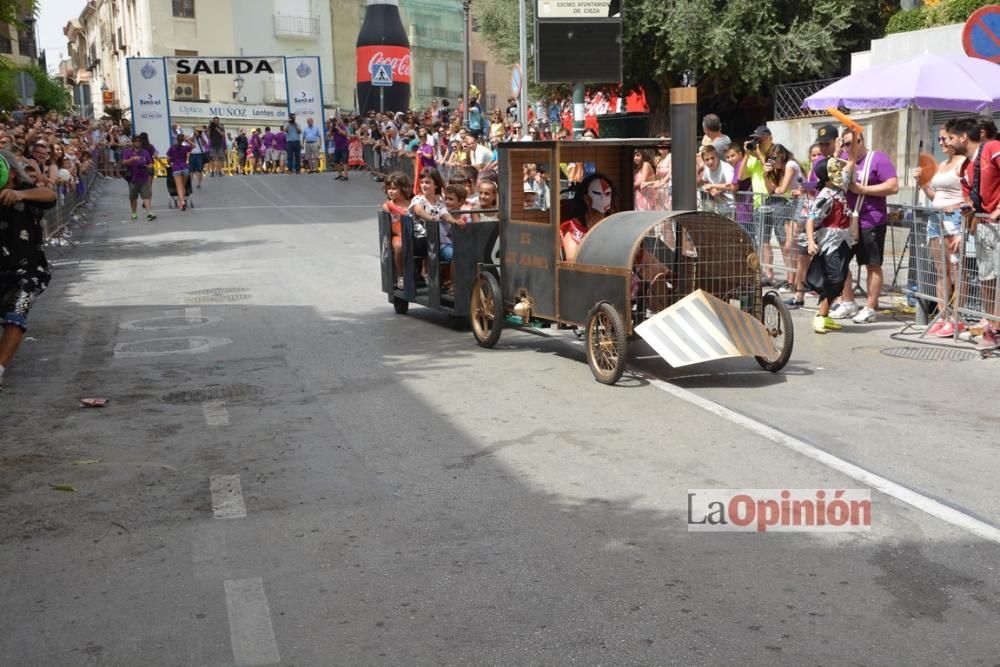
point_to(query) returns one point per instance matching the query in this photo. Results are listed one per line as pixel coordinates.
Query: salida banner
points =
(227, 66)
(243, 89)
(147, 82)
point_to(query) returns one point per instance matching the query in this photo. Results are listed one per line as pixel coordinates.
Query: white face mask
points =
(600, 196)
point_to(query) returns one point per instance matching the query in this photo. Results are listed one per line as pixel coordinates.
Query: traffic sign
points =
(578, 9)
(981, 34)
(515, 81)
(25, 86)
(382, 75)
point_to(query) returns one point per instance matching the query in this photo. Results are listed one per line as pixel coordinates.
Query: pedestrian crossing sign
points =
(382, 74)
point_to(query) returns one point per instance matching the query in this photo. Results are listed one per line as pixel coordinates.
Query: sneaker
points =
(865, 316)
(399, 282)
(948, 329)
(832, 325)
(988, 341)
(135, 217)
(792, 302)
(844, 310)
(150, 216)
(819, 324)
(935, 328)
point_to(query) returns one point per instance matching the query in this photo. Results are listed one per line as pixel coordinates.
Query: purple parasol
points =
(939, 83)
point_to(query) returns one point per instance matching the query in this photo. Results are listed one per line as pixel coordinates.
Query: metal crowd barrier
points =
(382, 163)
(57, 220)
(777, 226)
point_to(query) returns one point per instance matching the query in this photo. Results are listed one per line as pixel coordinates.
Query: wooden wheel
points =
(777, 320)
(606, 344)
(486, 310)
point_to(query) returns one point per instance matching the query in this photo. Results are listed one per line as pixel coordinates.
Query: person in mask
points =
(594, 199)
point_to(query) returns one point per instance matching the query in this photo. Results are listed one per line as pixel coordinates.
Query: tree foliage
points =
(945, 12)
(734, 48)
(744, 47)
(49, 91)
(12, 11)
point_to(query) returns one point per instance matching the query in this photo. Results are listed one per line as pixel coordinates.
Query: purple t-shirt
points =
(268, 139)
(744, 202)
(255, 142)
(340, 140)
(280, 142)
(137, 171)
(178, 156)
(873, 209)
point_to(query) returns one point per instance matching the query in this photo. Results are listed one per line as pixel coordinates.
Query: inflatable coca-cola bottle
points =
(383, 40)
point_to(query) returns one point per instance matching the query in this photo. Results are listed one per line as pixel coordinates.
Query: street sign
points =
(515, 81)
(981, 34)
(25, 86)
(578, 9)
(382, 75)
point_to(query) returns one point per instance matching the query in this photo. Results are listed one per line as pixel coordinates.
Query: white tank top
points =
(947, 189)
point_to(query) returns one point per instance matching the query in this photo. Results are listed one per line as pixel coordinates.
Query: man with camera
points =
(756, 167)
(217, 146)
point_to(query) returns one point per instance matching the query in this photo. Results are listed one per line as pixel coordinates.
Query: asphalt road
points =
(289, 473)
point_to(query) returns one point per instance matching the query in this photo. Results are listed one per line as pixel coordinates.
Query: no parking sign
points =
(981, 35)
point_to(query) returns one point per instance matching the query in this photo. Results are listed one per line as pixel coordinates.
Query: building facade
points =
(108, 32)
(18, 43)
(436, 48)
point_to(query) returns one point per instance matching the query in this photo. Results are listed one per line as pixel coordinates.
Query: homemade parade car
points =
(688, 282)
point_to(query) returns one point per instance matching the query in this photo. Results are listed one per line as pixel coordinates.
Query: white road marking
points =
(215, 413)
(192, 313)
(250, 629)
(227, 497)
(914, 499)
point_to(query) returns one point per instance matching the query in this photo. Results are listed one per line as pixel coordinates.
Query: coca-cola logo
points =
(400, 66)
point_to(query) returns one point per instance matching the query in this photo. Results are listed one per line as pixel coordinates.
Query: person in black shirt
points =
(24, 271)
(242, 143)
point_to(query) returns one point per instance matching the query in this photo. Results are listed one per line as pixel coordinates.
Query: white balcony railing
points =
(297, 27)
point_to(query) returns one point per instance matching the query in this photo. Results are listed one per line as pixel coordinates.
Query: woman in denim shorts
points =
(945, 222)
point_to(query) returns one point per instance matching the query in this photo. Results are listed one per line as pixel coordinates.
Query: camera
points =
(752, 144)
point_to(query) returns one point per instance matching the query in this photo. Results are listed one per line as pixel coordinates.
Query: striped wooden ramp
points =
(701, 327)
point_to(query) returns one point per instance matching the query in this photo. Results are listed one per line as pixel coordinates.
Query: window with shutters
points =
(6, 46)
(186, 85)
(184, 9)
(479, 76)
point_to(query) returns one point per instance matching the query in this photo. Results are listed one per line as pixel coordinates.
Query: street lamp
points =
(465, 62)
(238, 84)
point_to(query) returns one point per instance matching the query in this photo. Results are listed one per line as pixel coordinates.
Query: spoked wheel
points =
(778, 321)
(401, 306)
(486, 310)
(606, 344)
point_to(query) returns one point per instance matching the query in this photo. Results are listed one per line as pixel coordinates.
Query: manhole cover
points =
(217, 295)
(167, 323)
(219, 291)
(929, 353)
(230, 393)
(160, 346)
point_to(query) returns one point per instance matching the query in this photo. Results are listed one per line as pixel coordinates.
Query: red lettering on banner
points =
(397, 56)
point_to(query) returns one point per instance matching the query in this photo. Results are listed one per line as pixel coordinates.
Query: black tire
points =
(606, 344)
(777, 320)
(486, 310)
(401, 306)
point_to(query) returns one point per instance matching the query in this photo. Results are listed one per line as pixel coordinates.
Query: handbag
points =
(856, 213)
